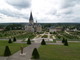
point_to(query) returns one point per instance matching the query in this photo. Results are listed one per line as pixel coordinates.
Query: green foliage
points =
(52, 32)
(44, 36)
(66, 43)
(28, 41)
(14, 27)
(70, 36)
(35, 54)
(14, 39)
(19, 34)
(40, 32)
(54, 41)
(27, 35)
(7, 51)
(43, 42)
(59, 36)
(63, 40)
(10, 41)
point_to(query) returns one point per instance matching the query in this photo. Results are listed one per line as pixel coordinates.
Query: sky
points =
(44, 11)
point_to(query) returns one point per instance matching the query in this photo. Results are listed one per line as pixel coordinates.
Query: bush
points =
(63, 40)
(35, 54)
(7, 51)
(66, 43)
(28, 42)
(54, 40)
(14, 39)
(10, 41)
(43, 42)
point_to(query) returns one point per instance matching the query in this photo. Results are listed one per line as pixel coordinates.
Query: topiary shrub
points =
(63, 40)
(10, 41)
(14, 39)
(7, 51)
(66, 43)
(28, 41)
(43, 42)
(35, 54)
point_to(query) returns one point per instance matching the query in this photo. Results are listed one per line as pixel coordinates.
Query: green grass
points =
(14, 47)
(44, 36)
(59, 52)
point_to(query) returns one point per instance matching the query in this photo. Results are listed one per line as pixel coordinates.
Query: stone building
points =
(55, 29)
(33, 27)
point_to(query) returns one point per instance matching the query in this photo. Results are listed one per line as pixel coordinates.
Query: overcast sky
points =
(44, 11)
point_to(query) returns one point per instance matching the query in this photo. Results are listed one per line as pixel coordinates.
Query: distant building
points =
(72, 30)
(1, 29)
(55, 29)
(33, 27)
(67, 29)
(75, 29)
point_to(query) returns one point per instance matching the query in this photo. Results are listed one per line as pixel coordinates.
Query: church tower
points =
(31, 21)
(33, 27)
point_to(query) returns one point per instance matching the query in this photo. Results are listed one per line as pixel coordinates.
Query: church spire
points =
(31, 16)
(36, 21)
(31, 19)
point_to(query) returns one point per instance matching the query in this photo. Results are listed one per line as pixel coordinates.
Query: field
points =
(60, 52)
(14, 47)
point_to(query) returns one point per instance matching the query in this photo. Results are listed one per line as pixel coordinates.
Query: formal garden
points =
(65, 51)
(19, 34)
(73, 36)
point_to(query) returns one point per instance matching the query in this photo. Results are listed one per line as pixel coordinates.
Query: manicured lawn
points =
(14, 47)
(58, 52)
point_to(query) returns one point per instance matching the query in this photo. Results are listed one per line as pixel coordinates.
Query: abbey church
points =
(33, 27)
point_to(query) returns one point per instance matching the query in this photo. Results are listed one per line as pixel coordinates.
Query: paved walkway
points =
(27, 53)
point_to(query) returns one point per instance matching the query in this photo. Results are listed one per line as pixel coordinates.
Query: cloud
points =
(9, 19)
(20, 3)
(69, 3)
(13, 14)
(43, 10)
